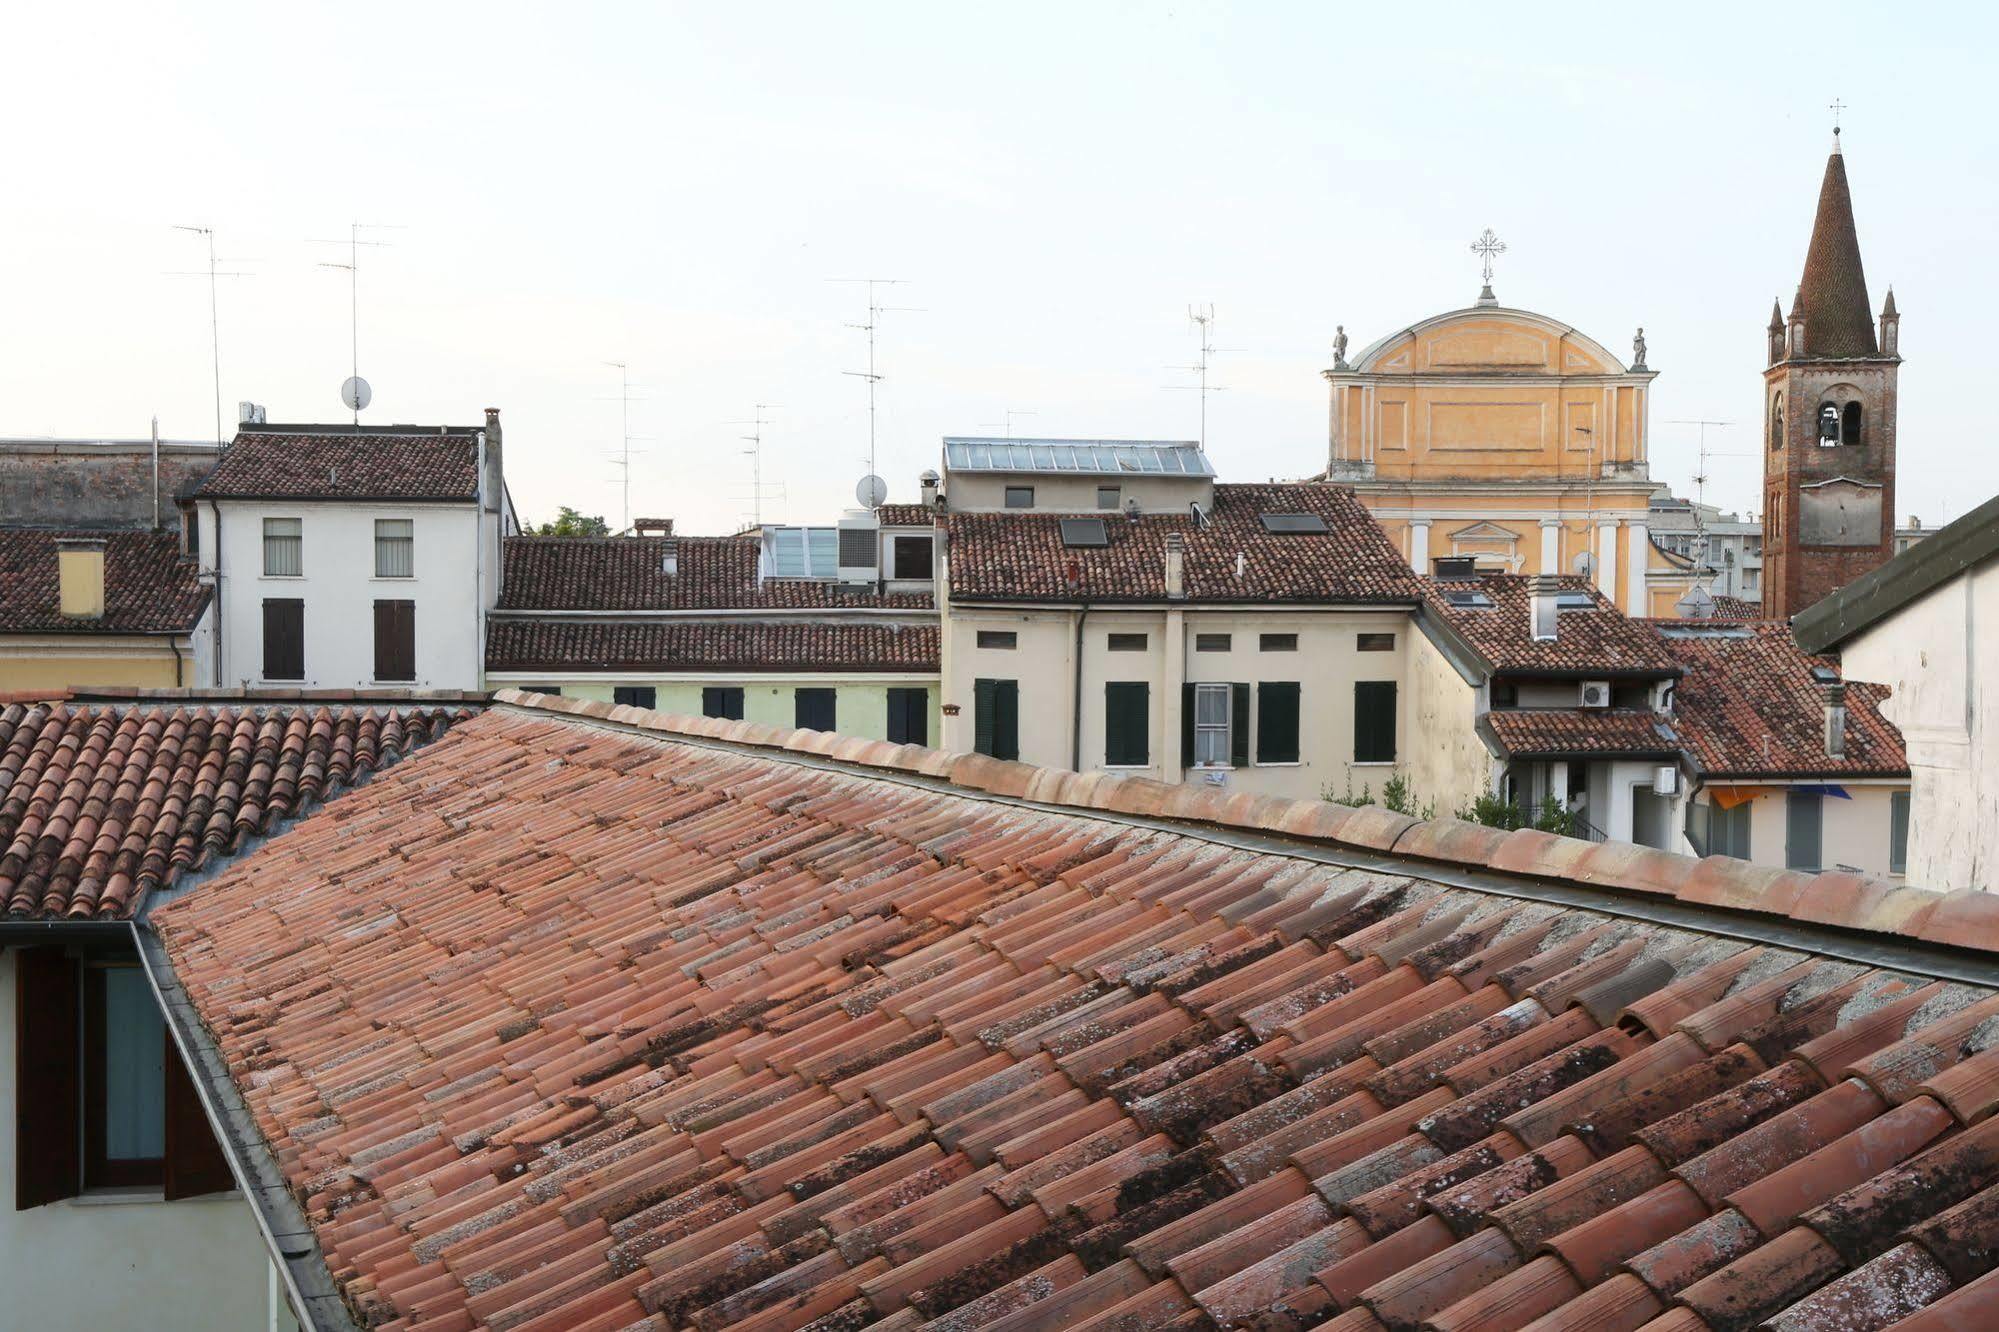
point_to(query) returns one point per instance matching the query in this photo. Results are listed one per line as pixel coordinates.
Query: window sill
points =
(391, 578)
(281, 578)
(1127, 767)
(1372, 763)
(1287, 763)
(142, 1196)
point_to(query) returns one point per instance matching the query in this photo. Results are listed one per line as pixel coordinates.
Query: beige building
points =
(82, 609)
(1504, 437)
(1107, 606)
(1926, 626)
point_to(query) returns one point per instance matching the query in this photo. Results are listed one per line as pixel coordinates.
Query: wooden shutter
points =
(1239, 725)
(395, 640)
(1374, 721)
(1126, 721)
(908, 716)
(812, 709)
(284, 638)
(1187, 705)
(194, 1164)
(983, 715)
(1277, 721)
(48, 1162)
(1006, 719)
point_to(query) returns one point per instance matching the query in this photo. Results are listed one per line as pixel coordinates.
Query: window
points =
(1020, 497)
(1374, 721)
(1084, 533)
(1109, 497)
(1212, 642)
(909, 716)
(1849, 424)
(913, 557)
(190, 532)
(395, 640)
(813, 710)
(1505, 694)
(1127, 642)
(1292, 524)
(723, 701)
(101, 1095)
(635, 696)
(284, 638)
(1898, 832)
(1776, 422)
(1828, 425)
(1804, 813)
(283, 539)
(996, 718)
(1277, 714)
(998, 639)
(801, 552)
(1375, 643)
(395, 548)
(1728, 831)
(1277, 642)
(1127, 723)
(1211, 725)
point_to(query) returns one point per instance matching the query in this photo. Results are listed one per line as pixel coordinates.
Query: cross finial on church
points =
(1836, 107)
(1487, 246)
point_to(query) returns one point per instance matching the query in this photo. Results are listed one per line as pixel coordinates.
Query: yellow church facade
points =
(1503, 436)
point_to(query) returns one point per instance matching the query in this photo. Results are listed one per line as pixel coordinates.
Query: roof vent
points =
(1544, 598)
(1835, 720)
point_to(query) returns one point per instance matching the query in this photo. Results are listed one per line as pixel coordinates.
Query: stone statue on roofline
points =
(1340, 347)
(1638, 350)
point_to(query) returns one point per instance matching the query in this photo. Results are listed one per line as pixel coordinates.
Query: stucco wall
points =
(1853, 832)
(1447, 763)
(177, 1267)
(51, 663)
(1940, 656)
(860, 708)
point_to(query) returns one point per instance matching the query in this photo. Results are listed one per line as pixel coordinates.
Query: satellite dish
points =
(871, 491)
(1584, 563)
(356, 393)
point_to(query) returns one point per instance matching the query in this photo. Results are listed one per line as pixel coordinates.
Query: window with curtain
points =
(1211, 725)
(284, 540)
(395, 548)
(1898, 832)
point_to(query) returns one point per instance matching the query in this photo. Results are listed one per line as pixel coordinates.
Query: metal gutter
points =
(313, 1295)
(1941, 962)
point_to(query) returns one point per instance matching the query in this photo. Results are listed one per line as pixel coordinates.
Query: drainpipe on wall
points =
(1175, 665)
(1076, 702)
(221, 624)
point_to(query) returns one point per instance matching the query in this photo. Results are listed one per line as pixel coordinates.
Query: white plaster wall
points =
(1854, 832)
(339, 587)
(1940, 656)
(193, 1265)
(1448, 764)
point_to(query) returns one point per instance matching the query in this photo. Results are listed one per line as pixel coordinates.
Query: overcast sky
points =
(673, 186)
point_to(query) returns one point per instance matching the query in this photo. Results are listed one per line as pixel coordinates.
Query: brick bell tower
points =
(1829, 419)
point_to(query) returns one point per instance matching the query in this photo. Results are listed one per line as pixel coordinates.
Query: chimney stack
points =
(669, 555)
(492, 482)
(652, 527)
(1541, 598)
(80, 577)
(928, 481)
(1176, 567)
(1835, 719)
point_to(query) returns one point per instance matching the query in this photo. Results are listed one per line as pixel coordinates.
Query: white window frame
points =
(296, 536)
(408, 538)
(1206, 733)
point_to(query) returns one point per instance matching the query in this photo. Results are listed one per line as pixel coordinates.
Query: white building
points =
(351, 557)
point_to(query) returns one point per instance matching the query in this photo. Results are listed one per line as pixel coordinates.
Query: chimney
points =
(928, 482)
(1541, 598)
(249, 413)
(80, 577)
(492, 482)
(1835, 719)
(669, 555)
(652, 527)
(1176, 567)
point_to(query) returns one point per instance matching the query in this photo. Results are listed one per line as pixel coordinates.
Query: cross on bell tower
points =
(1487, 247)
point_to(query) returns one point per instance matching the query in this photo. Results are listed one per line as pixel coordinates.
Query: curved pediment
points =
(1488, 340)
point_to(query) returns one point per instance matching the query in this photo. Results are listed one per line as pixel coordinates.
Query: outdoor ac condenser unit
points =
(1594, 694)
(1665, 780)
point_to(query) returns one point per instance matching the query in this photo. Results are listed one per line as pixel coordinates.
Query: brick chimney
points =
(80, 577)
(1835, 719)
(1176, 567)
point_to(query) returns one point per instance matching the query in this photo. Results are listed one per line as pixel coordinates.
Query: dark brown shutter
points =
(194, 1163)
(284, 638)
(395, 640)
(47, 1159)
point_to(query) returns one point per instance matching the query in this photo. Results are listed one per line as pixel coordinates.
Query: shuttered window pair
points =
(996, 718)
(723, 701)
(1216, 723)
(1374, 721)
(395, 640)
(909, 716)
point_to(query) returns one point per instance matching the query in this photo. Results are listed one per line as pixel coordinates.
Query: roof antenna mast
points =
(355, 392)
(622, 460)
(1203, 318)
(875, 311)
(755, 453)
(214, 318)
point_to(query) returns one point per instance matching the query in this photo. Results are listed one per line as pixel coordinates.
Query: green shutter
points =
(982, 715)
(1186, 725)
(1374, 721)
(1239, 725)
(1126, 705)
(1277, 721)
(1006, 726)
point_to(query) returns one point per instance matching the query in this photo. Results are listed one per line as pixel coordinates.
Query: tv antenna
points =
(355, 393)
(214, 317)
(875, 311)
(755, 453)
(622, 460)
(1702, 538)
(1007, 424)
(1203, 318)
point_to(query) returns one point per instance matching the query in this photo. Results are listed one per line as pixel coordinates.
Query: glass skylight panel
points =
(1083, 533)
(1293, 524)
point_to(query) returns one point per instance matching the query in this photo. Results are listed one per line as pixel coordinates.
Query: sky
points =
(681, 187)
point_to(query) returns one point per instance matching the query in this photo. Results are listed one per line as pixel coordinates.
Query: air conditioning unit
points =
(859, 547)
(1594, 694)
(1665, 780)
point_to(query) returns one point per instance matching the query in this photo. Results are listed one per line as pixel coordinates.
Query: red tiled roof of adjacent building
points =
(100, 805)
(629, 574)
(329, 463)
(1736, 608)
(148, 587)
(906, 515)
(1020, 555)
(1749, 706)
(736, 645)
(1577, 732)
(558, 1026)
(1598, 639)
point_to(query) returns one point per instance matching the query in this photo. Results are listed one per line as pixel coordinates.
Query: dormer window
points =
(801, 552)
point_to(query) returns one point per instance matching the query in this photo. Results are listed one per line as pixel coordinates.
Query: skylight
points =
(1469, 600)
(1290, 524)
(1078, 533)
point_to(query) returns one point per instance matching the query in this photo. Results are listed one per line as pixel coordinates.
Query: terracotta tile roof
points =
(558, 1026)
(331, 464)
(906, 515)
(1600, 640)
(148, 587)
(1575, 732)
(101, 804)
(1020, 556)
(1737, 608)
(1832, 294)
(672, 645)
(1749, 706)
(628, 574)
